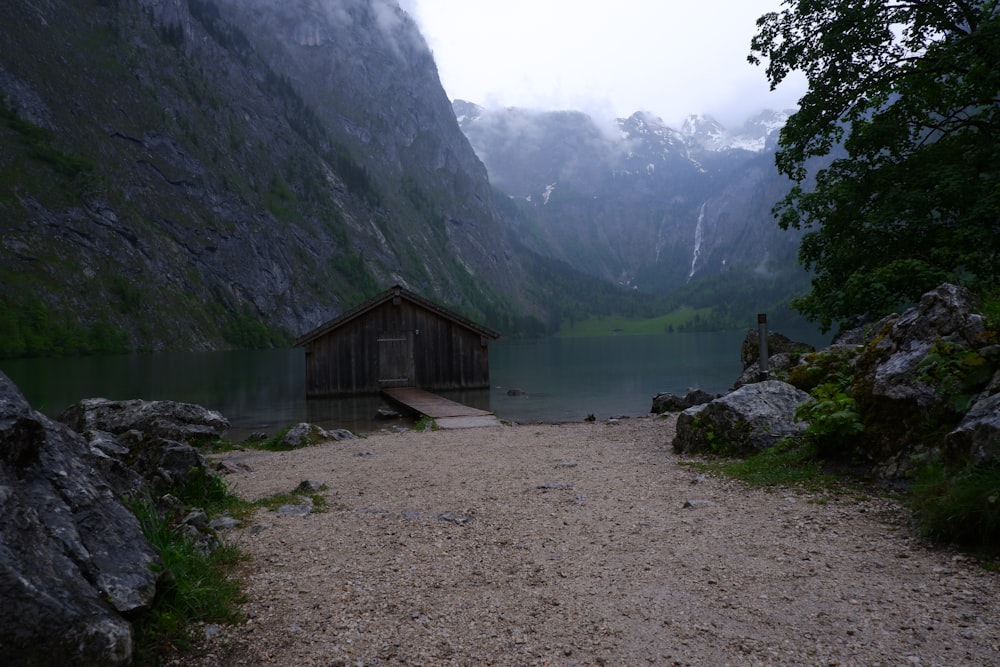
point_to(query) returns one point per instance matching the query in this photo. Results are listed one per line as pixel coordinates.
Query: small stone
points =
(224, 523)
(196, 518)
(296, 510)
(310, 486)
(697, 503)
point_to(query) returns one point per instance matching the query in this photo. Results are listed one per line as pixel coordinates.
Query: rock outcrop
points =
(668, 402)
(146, 444)
(742, 422)
(782, 354)
(154, 419)
(73, 558)
(917, 387)
(946, 317)
(977, 437)
(777, 343)
(75, 565)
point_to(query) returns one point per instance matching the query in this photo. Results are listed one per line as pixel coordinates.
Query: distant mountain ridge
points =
(641, 204)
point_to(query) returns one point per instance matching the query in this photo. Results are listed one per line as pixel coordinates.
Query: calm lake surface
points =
(563, 379)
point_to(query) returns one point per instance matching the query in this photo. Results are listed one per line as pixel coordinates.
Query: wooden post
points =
(762, 341)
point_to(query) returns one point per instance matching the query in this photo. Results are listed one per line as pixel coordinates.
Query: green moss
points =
(958, 373)
(834, 364)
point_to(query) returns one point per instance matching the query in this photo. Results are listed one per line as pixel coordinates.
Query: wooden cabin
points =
(396, 339)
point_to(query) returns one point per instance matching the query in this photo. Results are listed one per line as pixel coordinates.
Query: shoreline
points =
(582, 544)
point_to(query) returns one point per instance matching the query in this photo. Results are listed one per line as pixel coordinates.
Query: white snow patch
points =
(549, 189)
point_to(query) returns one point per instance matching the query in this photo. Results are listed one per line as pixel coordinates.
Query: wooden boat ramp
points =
(444, 412)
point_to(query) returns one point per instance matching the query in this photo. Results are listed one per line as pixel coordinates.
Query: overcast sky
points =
(610, 59)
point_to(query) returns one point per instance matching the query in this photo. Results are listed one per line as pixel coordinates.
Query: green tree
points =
(903, 106)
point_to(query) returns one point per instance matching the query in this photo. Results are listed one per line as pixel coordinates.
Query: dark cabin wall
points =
(446, 355)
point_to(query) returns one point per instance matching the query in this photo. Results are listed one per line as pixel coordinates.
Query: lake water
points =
(562, 379)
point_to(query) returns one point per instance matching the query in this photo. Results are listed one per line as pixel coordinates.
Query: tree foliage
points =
(903, 103)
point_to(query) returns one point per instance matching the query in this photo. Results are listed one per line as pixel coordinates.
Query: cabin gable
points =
(397, 339)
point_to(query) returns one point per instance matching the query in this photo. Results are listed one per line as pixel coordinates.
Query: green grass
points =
(194, 588)
(962, 508)
(790, 463)
(616, 324)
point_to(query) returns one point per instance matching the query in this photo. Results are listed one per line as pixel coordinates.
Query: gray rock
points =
(196, 518)
(304, 434)
(310, 486)
(778, 367)
(977, 437)
(170, 420)
(863, 334)
(73, 558)
(945, 313)
(306, 507)
(776, 344)
(668, 402)
(742, 422)
(224, 523)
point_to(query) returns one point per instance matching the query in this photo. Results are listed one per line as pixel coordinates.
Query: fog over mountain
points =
(648, 206)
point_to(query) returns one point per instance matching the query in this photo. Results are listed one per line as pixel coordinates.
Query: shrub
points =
(833, 419)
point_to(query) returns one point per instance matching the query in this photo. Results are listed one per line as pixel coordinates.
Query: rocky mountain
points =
(230, 172)
(638, 202)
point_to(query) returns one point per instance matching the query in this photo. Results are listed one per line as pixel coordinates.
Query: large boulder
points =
(170, 420)
(744, 421)
(148, 444)
(946, 314)
(73, 558)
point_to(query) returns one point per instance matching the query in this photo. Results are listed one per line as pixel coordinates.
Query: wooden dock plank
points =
(431, 405)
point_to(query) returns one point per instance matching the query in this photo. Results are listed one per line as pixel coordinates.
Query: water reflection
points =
(264, 391)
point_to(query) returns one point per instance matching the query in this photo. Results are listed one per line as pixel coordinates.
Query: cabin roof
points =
(385, 297)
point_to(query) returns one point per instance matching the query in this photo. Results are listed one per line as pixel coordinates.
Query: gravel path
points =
(572, 545)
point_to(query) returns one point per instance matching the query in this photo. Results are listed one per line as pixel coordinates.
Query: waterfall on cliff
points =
(697, 241)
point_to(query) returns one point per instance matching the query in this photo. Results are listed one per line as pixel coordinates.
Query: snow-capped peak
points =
(756, 135)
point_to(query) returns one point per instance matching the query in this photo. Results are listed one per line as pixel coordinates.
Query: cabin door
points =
(395, 359)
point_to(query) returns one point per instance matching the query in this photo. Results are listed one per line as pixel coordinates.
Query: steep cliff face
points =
(641, 203)
(195, 174)
(363, 66)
